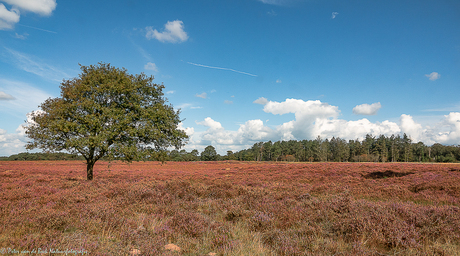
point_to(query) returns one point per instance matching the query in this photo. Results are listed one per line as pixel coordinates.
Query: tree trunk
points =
(89, 169)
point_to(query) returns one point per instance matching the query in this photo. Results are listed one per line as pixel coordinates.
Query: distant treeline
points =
(395, 148)
(41, 156)
(372, 149)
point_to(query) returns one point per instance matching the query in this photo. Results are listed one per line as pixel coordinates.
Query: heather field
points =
(230, 208)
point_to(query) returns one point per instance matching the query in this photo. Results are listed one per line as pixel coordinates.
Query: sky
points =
(244, 71)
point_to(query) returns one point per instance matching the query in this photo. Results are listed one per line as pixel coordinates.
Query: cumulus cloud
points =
(249, 133)
(202, 95)
(315, 118)
(8, 18)
(433, 76)
(188, 130)
(411, 128)
(366, 109)
(151, 66)
(13, 143)
(41, 7)
(448, 131)
(173, 32)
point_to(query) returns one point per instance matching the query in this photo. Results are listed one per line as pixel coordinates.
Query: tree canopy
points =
(106, 111)
(209, 154)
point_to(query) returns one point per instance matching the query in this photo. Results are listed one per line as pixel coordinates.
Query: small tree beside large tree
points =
(106, 112)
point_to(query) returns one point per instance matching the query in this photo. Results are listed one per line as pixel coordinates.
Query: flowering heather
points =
(231, 208)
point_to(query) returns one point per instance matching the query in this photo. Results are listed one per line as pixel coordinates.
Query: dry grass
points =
(231, 208)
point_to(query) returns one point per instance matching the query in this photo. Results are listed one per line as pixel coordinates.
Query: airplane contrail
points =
(229, 69)
(49, 31)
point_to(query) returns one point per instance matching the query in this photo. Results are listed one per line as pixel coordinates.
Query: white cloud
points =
(170, 92)
(173, 32)
(188, 130)
(448, 131)
(228, 102)
(8, 18)
(42, 7)
(411, 128)
(278, 81)
(261, 101)
(366, 109)
(334, 14)
(5, 96)
(14, 143)
(313, 118)
(433, 76)
(213, 125)
(151, 66)
(203, 95)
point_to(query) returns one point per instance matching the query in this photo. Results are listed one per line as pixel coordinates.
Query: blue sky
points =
(244, 71)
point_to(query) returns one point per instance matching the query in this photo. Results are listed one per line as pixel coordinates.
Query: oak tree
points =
(106, 111)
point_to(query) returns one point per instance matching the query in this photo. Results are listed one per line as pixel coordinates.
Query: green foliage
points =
(41, 156)
(371, 149)
(107, 112)
(209, 154)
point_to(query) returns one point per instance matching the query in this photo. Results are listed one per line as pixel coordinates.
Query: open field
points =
(231, 208)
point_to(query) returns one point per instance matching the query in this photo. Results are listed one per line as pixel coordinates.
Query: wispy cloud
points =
(454, 108)
(41, 29)
(26, 97)
(228, 102)
(5, 96)
(173, 32)
(272, 13)
(334, 14)
(170, 92)
(278, 81)
(22, 37)
(35, 66)
(433, 76)
(261, 101)
(187, 105)
(151, 66)
(276, 2)
(229, 69)
(202, 95)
